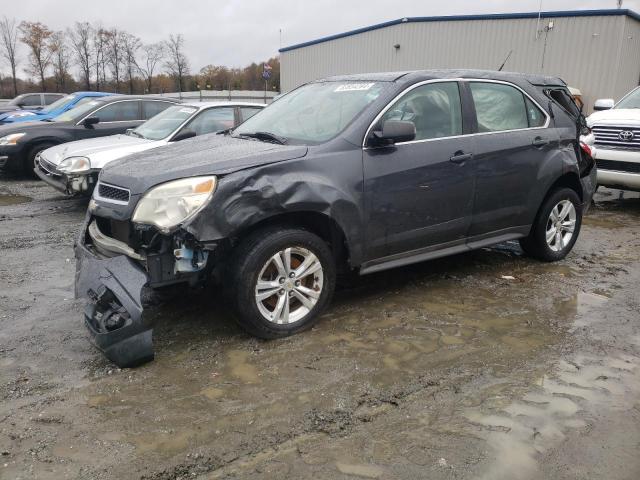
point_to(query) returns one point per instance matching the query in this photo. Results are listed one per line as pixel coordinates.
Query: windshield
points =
(76, 112)
(632, 100)
(164, 124)
(314, 113)
(58, 104)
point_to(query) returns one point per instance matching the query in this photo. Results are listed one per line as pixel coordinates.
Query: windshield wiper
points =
(266, 136)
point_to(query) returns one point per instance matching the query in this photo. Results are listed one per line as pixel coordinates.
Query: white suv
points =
(617, 138)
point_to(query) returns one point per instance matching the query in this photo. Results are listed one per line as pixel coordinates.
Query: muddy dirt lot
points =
(442, 370)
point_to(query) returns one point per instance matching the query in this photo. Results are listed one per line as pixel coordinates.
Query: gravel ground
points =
(443, 370)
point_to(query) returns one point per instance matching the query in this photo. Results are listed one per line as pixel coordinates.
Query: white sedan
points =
(73, 168)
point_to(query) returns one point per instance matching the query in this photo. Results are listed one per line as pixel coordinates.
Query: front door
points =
(419, 193)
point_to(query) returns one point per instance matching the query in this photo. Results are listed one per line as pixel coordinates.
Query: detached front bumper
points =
(113, 315)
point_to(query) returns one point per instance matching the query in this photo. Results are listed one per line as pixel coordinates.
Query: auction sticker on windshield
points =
(354, 87)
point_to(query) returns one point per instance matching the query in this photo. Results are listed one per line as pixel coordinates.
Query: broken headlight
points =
(75, 165)
(171, 203)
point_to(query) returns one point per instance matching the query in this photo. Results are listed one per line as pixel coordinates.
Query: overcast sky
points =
(236, 33)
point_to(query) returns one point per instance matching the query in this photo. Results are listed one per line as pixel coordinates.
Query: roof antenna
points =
(505, 60)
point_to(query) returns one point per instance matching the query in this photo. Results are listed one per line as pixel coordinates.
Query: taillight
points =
(586, 149)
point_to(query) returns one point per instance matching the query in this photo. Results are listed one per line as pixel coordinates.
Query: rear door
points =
(510, 144)
(419, 193)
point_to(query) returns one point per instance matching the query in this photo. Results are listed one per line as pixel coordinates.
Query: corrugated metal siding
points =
(585, 51)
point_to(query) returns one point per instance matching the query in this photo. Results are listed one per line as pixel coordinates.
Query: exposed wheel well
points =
(568, 180)
(318, 223)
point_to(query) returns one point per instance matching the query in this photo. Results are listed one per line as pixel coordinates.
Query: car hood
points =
(615, 116)
(203, 155)
(101, 150)
(27, 127)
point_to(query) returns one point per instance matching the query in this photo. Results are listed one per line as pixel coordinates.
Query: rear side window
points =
(151, 109)
(433, 108)
(499, 107)
(118, 112)
(248, 112)
(562, 98)
(49, 99)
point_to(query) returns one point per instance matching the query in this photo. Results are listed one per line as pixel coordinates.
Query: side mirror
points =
(604, 104)
(184, 135)
(395, 131)
(89, 122)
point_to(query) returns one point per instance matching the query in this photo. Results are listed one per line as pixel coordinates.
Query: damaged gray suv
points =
(356, 173)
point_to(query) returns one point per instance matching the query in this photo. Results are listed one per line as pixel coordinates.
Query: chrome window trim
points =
(109, 104)
(466, 80)
(96, 194)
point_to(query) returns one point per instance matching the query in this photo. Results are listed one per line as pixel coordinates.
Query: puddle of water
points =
(7, 199)
(583, 384)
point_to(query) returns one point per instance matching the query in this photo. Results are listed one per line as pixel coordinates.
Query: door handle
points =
(539, 142)
(460, 157)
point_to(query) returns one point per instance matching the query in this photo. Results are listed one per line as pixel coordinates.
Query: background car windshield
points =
(630, 101)
(58, 104)
(76, 112)
(165, 123)
(313, 113)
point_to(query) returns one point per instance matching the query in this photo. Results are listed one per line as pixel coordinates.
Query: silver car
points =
(73, 168)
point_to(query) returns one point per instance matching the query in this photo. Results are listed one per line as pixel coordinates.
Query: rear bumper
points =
(589, 183)
(113, 314)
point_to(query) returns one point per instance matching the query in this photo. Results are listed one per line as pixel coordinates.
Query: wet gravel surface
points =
(485, 365)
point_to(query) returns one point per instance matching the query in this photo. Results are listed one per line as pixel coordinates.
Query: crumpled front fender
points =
(113, 315)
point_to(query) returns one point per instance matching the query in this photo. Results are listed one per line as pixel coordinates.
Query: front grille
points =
(48, 167)
(111, 192)
(617, 137)
(629, 167)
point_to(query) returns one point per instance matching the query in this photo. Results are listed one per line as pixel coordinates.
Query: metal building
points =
(596, 51)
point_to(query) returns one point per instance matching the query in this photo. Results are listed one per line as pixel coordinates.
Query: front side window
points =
(434, 109)
(118, 112)
(77, 112)
(212, 120)
(314, 113)
(165, 123)
(632, 100)
(499, 107)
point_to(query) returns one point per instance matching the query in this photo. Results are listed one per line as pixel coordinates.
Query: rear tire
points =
(282, 279)
(29, 163)
(556, 227)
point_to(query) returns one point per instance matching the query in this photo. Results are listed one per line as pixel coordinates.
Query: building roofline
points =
(451, 18)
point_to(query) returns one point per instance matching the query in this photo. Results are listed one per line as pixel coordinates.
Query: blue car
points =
(60, 106)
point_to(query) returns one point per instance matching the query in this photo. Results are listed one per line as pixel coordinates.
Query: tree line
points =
(113, 60)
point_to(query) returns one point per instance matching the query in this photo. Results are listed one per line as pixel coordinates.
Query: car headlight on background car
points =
(171, 203)
(11, 139)
(75, 165)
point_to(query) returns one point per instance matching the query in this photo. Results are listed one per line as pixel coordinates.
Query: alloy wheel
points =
(289, 285)
(561, 225)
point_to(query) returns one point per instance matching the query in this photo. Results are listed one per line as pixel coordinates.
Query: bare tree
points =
(80, 37)
(115, 54)
(130, 46)
(9, 45)
(152, 55)
(60, 59)
(177, 62)
(35, 35)
(99, 47)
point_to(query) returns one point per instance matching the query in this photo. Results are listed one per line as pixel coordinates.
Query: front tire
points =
(29, 163)
(283, 278)
(556, 228)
